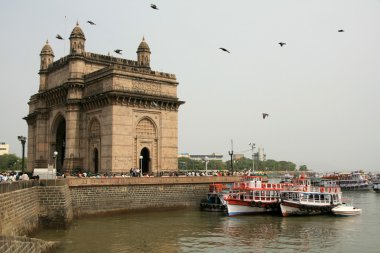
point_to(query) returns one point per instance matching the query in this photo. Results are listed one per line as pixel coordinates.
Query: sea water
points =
(190, 230)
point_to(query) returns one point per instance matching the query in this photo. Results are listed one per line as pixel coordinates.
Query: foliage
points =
(269, 165)
(189, 164)
(303, 168)
(10, 162)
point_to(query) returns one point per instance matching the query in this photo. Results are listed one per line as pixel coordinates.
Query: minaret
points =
(77, 40)
(47, 57)
(143, 54)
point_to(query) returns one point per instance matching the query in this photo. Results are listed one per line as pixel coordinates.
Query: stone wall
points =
(20, 244)
(92, 196)
(19, 212)
(55, 206)
(23, 211)
(54, 203)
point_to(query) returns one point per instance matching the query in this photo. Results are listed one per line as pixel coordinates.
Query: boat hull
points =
(213, 207)
(291, 209)
(346, 210)
(236, 209)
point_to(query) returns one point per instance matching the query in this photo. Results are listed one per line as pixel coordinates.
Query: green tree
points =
(303, 168)
(10, 162)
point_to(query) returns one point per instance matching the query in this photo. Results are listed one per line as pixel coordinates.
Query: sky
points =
(321, 90)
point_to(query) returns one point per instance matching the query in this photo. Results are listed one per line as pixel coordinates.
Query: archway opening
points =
(60, 141)
(96, 160)
(144, 162)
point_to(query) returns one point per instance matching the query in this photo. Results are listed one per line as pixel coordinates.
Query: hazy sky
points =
(321, 90)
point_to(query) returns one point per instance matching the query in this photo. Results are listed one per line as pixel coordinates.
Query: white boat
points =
(376, 187)
(346, 210)
(305, 199)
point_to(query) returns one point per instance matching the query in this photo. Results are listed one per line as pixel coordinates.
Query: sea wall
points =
(22, 244)
(55, 203)
(19, 211)
(92, 196)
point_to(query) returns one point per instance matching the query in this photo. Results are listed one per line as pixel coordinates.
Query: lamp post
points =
(206, 162)
(55, 155)
(231, 153)
(252, 145)
(141, 159)
(23, 140)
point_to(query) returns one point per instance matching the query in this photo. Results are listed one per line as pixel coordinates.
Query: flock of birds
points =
(153, 6)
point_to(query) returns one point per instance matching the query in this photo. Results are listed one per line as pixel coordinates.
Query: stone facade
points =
(102, 113)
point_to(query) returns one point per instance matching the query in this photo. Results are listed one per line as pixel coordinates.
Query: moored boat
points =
(346, 210)
(254, 197)
(215, 198)
(376, 187)
(354, 181)
(304, 199)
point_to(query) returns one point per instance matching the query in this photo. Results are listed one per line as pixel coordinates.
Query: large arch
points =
(59, 141)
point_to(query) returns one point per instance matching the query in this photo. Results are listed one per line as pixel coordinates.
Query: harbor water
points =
(190, 230)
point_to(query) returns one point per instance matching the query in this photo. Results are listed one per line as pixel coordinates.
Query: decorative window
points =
(146, 128)
(95, 129)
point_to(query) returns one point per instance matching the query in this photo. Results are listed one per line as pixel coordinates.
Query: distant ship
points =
(354, 181)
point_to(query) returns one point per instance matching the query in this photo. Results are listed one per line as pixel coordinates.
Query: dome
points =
(77, 33)
(143, 47)
(46, 50)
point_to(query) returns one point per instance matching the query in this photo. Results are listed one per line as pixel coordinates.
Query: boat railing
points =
(316, 201)
(325, 189)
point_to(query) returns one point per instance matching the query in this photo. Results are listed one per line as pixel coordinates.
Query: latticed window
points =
(95, 129)
(145, 128)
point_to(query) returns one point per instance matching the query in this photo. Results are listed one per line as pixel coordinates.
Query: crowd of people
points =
(133, 172)
(9, 177)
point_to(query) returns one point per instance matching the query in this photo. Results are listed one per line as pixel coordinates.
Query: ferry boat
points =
(354, 181)
(254, 197)
(215, 198)
(304, 199)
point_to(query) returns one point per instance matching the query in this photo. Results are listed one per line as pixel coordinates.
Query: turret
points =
(143, 54)
(47, 56)
(77, 40)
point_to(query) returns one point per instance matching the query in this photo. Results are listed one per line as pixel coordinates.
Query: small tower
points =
(77, 40)
(143, 54)
(47, 58)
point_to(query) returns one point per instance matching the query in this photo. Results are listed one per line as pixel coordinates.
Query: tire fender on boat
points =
(259, 205)
(253, 204)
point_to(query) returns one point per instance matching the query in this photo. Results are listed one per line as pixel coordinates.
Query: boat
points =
(354, 181)
(215, 198)
(376, 187)
(304, 199)
(254, 197)
(345, 209)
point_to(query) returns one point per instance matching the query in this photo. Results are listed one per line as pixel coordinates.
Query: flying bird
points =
(282, 44)
(225, 50)
(59, 37)
(118, 51)
(91, 23)
(340, 30)
(153, 6)
(265, 115)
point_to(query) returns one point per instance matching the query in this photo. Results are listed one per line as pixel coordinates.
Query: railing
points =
(18, 185)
